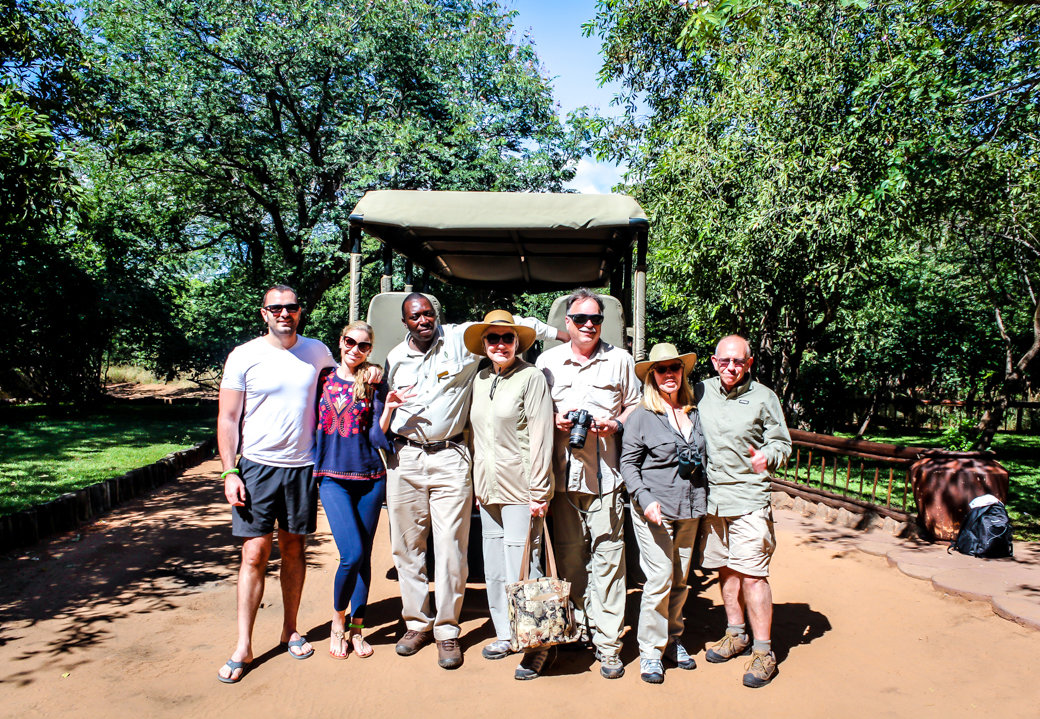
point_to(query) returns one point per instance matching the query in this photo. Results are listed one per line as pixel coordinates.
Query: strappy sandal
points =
(341, 636)
(362, 648)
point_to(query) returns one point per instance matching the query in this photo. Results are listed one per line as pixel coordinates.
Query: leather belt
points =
(435, 446)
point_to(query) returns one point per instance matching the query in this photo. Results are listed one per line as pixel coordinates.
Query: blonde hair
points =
(363, 372)
(653, 400)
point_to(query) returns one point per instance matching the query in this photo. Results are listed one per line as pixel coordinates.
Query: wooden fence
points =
(855, 474)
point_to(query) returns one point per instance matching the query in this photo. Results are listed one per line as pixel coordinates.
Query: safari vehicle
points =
(511, 241)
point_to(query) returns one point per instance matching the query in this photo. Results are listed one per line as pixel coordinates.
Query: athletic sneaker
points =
(760, 670)
(731, 645)
(611, 667)
(676, 653)
(498, 649)
(534, 663)
(651, 671)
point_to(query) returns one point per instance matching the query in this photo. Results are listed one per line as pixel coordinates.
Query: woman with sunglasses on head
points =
(662, 457)
(353, 417)
(511, 420)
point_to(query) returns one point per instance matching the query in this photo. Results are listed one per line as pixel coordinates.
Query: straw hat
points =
(664, 352)
(501, 320)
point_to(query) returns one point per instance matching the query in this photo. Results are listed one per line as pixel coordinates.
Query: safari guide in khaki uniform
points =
(746, 439)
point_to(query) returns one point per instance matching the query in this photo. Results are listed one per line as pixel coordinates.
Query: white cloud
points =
(595, 178)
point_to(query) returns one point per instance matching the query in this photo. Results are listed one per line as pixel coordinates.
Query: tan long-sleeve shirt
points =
(512, 435)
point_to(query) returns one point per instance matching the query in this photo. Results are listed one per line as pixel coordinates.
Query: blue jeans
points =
(352, 508)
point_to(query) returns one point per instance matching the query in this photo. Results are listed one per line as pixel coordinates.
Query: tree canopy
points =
(809, 166)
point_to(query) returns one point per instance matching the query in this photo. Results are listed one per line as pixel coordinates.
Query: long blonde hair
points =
(363, 372)
(652, 396)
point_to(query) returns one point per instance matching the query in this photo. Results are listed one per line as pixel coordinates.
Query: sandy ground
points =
(136, 614)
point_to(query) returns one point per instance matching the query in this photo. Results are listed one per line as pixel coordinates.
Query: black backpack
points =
(986, 532)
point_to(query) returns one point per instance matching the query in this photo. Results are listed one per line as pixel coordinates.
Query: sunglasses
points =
(351, 343)
(727, 361)
(506, 338)
(582, 319)
(668, 368)
(277, 309)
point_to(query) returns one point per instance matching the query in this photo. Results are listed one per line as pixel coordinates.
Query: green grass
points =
(1020, 456)
(42, 456)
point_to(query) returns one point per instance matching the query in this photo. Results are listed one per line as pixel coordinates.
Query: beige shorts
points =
(745, 543)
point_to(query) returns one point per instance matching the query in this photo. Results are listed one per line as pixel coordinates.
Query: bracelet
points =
(233, 470)
(620, 425)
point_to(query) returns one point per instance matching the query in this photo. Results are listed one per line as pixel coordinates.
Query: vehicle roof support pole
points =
(639, 319)
(409, 276)
(386, 282)
(355, 271)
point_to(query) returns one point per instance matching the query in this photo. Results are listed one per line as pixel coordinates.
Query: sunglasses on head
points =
(292, 308)
(668, 368)
(351, 343)
(493, 338)
(582, 319)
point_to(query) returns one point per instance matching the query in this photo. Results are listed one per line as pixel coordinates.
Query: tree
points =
(265, 122)
(795, 151)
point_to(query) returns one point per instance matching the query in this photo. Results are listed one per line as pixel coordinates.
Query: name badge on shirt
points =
(744, 401)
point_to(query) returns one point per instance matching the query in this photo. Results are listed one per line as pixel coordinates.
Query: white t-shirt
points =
(280, 385)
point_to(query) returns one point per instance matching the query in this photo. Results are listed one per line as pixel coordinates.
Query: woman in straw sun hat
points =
(511, 420)
(661, 461)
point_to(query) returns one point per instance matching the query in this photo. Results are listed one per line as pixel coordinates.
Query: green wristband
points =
(233, 470)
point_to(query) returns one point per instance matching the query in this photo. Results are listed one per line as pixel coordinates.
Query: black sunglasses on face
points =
(493, 338)
(277, 309)
(582, 319)
(667, 368)
(350, 343)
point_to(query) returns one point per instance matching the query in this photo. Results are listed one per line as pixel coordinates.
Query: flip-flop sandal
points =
(358, 641)
(297, 643)
(359, 645)
(233, 665)
(341, 636)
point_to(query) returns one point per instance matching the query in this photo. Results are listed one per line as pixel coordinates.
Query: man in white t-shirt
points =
(266, 412)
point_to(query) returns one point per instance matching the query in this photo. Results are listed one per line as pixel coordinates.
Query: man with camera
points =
(746, 438)
(594, 389)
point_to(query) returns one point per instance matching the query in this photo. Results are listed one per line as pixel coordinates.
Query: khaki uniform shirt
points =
(441, 377)
(748, 416)
(512, 435)
(604, 386)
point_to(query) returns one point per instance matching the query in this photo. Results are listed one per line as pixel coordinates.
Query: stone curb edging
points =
(813, 503)
(76, 508)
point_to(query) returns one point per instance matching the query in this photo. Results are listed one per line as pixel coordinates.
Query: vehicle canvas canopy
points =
(512, 241)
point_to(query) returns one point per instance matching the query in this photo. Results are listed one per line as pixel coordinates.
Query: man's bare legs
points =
(255, 553)
(740, 592)
(293, 548)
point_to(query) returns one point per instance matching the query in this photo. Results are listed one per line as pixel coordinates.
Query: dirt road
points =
(136, 614)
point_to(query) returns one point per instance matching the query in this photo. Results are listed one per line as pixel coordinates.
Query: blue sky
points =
(572, 62)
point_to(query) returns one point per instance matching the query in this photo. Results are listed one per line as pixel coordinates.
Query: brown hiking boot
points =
(411, 642)
(731, 645)
(449, 654)
(760, 670)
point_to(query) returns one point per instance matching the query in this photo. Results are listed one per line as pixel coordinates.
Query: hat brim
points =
(474, 336)
(689, 360)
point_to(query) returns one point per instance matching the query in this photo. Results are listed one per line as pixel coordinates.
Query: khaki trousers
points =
(430, 491)
(590, 554)
(665, 553)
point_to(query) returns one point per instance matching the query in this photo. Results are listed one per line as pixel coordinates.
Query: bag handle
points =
(550, 557)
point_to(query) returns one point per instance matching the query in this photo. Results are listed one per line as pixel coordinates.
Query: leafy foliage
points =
(830, 179)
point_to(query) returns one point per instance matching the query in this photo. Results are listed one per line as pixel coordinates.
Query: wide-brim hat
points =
(501, 320)
(665, 352)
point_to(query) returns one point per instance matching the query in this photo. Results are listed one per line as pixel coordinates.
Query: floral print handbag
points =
(540, 610)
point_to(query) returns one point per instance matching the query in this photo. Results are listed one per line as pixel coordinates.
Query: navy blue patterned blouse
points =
(348, 432)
